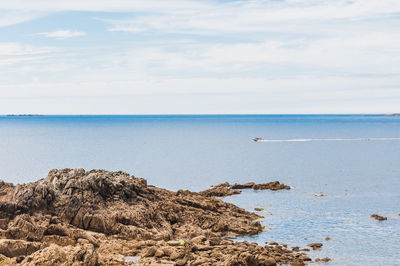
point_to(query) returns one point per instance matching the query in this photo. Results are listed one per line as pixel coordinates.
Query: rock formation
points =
(315, 246)
(378, 217)
(226, 189)
(73, 217)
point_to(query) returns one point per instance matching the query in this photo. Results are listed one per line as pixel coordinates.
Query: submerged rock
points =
(326, 259)
(74, 217)
(315, 246)
(378, 217)
(226, 189)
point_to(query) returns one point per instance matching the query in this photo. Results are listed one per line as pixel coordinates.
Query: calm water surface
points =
(195, 152)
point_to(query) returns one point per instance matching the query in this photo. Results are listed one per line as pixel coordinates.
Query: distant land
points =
(394, 114)
(24, 115)
(389, 114)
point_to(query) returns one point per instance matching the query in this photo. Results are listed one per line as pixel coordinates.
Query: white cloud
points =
(258, 16)
(15, 53)
(63, 34)
(11, 17)
(103, 5)
(292, 55)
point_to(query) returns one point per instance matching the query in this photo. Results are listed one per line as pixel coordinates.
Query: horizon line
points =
(194, 114)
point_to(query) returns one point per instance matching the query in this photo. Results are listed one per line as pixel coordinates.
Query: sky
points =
(199, 57)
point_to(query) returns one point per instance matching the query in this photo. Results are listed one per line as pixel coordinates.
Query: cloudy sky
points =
(187, 56)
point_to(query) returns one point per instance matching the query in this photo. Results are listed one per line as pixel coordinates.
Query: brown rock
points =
(215, 241)
(168, 250)
(74, 217)
(149, 252)
(174, 243)
(181, 261)
(198, 239)
(159, 253)
(378, 217)
(219, 191)
(276, 185)
(315, 246)
(176, 254)
(243, 186)
(223, 190)
(14, 248)
(200, 261)
(268, 261)
(305, 258)
(322, 260)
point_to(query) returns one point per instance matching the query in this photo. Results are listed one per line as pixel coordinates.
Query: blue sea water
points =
(359, 177)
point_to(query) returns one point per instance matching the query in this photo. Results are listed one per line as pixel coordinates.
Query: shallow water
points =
(359, 177)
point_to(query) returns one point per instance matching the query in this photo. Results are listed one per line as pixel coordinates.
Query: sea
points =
(341, 168)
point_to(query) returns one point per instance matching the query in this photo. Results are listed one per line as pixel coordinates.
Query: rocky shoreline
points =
(226, 189)
(74, 217)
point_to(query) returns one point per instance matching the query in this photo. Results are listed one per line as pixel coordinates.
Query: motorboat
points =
(258, 139)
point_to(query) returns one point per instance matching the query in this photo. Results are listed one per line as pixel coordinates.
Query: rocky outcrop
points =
(221, 190)
(226, 189)
(315, 246)
(326, 259)
(275, 185)
(378, 217)
(74, 217)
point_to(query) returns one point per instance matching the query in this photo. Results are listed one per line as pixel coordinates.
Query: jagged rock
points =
(159, 253)
(276, 185)
(225, 189)
(221, 190)
(243, 186)
(378, 217)
(326, 259)
(315, 246)
(149, 252)
(15, 248)
(74, 217)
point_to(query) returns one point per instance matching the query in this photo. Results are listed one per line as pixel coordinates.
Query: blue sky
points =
(163, 57)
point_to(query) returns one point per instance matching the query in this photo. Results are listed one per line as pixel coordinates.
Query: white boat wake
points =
(309, 140)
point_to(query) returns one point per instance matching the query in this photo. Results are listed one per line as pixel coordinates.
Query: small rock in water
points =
(258, 209)
(315, 246)
(327, 238)
(326, 259)
(225, 189)
(378, 217)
